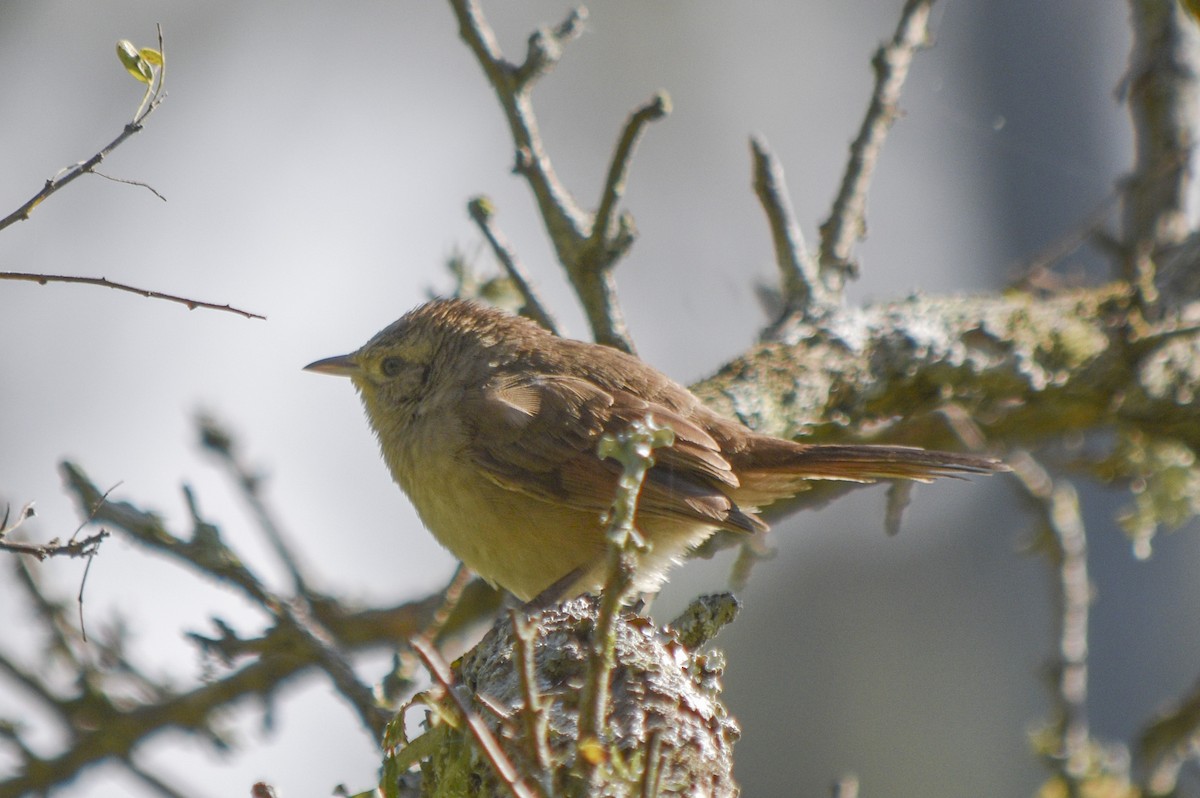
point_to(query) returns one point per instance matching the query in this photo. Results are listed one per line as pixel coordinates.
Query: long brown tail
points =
(774, 469)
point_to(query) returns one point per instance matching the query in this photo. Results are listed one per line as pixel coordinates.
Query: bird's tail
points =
(775, 472)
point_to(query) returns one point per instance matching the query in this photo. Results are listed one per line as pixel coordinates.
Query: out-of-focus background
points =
(317, 159)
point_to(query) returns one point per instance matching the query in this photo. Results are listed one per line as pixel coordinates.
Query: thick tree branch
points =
(1026, 370)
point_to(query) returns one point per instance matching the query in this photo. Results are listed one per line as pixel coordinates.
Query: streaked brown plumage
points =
(490, 424)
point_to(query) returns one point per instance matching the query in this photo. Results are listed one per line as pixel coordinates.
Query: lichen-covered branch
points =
(669, 730)
(1026, 369)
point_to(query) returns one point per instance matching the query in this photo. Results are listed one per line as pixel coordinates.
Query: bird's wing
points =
(542, 437)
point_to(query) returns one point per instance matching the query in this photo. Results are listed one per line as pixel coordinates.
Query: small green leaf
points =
(134, 62)
(151, 55)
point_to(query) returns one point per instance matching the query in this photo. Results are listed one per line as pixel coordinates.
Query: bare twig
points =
(153, 782)
(588, 245)
(83, 547)
(68, 175)
(128, 182)
(451, 595)
(1034, 272)
(281, 655)
(802, 287)
(847, 222)
(618, 233)
(481, 212)
(216, 439)
(155, 94)
(207, 553)
(192, 304)
(483, 736)
(1059, 506)
(1172, 740)
(534, 713)
(1161, 91)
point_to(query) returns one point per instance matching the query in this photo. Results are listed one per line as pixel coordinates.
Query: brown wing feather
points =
(542, 442)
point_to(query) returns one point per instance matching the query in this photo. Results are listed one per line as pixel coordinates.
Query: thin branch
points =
(129, 182)
(620, 234)
(484, 738)
(651, 781)
(192, 304)
(284, 656)
(153, 782)
(481, 211)
(84, 547)
(1059, 506)
(1161, 92)
(1035, 273)
(802, 286)
(34, 687)
(219, 441)
(588, 245)
(847, 222)
(512, 83)
(524, 632)
(67, 176)
(1172, 740)
(207, 553)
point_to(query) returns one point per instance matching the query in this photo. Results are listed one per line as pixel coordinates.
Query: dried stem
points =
(847, 222)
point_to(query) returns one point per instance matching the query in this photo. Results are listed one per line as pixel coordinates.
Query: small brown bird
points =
(490, 424)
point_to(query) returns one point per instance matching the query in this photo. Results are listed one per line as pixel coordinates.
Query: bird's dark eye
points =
(392, 366)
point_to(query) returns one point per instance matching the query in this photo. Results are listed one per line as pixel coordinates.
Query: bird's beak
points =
(340, 366)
